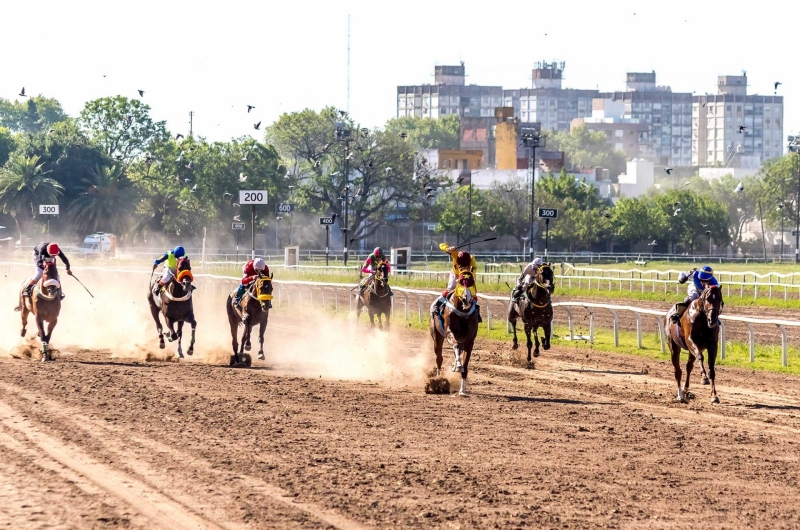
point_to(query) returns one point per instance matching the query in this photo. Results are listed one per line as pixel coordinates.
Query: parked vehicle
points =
(99, 245)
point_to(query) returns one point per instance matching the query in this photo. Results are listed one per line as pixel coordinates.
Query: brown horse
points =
(255, 302)
(376, 297)
(175, 302)
(45, 304)
(697, 330)
(458, 323)
(536, 311)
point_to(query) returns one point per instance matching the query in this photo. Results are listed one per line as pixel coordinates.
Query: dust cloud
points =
(301, 341)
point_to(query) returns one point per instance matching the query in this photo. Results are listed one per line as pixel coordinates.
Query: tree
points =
(23, 186)
(428, 133)
(637, 220)
(742, 206)
(7, 145)
(509, 208)
(697, 215)
(107, 202)
(455, 212)
(121, 126)
(35, 114)
(585, 148)
(384, 181)
(780, 182)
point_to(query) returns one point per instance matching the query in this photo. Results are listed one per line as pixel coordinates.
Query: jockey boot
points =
(28, 290)
(157, 288)
(61, 293)
(436, 308)
(237, 299)
(391, 293)
(478, 310)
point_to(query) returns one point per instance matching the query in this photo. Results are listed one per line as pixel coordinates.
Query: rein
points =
(530, 298)
(172, 298)
(463, 314)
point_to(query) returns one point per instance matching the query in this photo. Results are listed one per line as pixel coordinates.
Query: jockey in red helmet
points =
(41, 253)
(251, 271)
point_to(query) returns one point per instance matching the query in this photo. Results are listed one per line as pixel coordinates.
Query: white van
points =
(99, 245)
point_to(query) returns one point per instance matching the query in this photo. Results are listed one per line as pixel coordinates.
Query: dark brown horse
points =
(697, 330)
(45, 304)
(458, 324)
(175, 303)
(536, 311)
(376, 297)
(255, 303)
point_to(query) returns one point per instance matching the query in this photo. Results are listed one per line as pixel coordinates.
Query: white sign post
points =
(48, 209)
(253, 197)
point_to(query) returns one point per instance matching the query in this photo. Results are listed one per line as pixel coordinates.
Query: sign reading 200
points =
(253, 197)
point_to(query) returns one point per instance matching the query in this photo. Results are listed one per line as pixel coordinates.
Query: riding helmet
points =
(378, 251)
(179, 252)
(464, 259)
(538, 262)
(705, 274)
(53, 249)
(259, 264)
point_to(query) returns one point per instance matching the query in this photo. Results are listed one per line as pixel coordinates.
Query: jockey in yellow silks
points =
(462, 262)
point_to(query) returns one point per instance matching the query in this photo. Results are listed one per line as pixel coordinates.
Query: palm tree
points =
(23, 185)
(107, 202)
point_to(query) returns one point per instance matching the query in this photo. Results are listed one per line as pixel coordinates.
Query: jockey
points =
(462, 262)
(701, 280)
(251, 271)
(526, 277)
(170, 269)
(371, 265)
(42, 252)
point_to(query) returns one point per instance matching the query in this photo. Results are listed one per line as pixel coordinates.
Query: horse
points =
(45, 304)
(175, 303)
(254, 300)
(458, 323)
(695, 334)
(536, 312)
(376, 297)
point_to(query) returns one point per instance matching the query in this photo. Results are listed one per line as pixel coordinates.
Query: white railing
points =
(218, 288)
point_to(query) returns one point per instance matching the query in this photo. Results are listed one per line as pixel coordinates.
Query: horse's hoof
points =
(462, 393)
(179, 355)
(261, 356)
(688, 395)
(247, 347)
(535, 353)
(190, 351)
(233, 360)
(546, 346)
(22, 334)
(173, 337)
(706, 381)
(161, 345)
(531, 365)
(514, 346)
(715, 400)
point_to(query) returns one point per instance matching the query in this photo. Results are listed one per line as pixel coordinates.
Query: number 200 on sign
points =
(253, 197)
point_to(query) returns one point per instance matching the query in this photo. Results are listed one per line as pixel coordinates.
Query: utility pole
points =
(794, 147)
(191, 124)
(348, 65)
(343, 135)
(532, 138)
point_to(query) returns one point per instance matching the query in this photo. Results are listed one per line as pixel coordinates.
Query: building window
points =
(777, 123)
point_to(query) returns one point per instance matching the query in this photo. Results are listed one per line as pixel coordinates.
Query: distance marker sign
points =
(326, 221)
(548, 213)
(253, 197)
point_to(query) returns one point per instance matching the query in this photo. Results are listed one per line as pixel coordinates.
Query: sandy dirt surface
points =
(333, 430)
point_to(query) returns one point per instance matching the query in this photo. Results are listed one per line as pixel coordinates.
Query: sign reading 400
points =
(253, 197)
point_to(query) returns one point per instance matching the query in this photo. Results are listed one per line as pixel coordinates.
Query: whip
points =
(80, 282)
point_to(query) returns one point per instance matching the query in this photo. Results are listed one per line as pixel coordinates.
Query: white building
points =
(637, 179)
(716, 173)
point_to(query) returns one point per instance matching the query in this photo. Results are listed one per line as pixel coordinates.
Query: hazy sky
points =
(217, 57)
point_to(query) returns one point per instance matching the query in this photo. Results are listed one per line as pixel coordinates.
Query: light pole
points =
(466, 175)
(343, 134)
(532, 138)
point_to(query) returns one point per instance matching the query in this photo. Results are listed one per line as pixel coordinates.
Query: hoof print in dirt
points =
(437, 386)
(530, 365)
(245, 361)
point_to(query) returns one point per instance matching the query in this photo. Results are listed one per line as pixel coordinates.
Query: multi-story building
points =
(448, 95)
(668, 113)
(732, 127)
(623, 134)
(547, 102)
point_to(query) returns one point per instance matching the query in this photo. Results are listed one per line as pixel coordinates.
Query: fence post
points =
(661, 335)
(489, 315)
(569, 321)
(784, 345)
(639, 330)
(752, 333)
(616, 327)
(591, 326)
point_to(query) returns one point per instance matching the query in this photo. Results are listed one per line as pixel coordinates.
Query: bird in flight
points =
(141, 93)
(242, 177)
(22, 92)
(676, 212)
(668, 170)
(178, 136)
(742, 129)
(257, 126)
(388, 170)
(194, 188)
(403, 135)
(226, 194)
(652, 243)
(478, 213)
(493, 228)
(249, 108)
(777, 84)
(739, 188)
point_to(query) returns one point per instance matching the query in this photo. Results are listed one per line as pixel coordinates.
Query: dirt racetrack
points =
(334, 430)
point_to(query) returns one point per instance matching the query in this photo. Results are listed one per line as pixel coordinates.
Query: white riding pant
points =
(693, 293)
(451, 281)
(167, 274)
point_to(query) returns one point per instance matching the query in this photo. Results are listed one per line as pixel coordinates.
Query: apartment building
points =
(734, 129)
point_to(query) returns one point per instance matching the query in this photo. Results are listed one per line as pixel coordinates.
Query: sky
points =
(215, 58)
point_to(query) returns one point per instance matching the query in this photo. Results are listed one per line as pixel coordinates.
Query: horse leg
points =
(689, 366)
(51, 325)
(155, 312)
(712, 372)
(179, 334)
(513, 321)
(234, 325)
(24, 313)
(676, 364)
(535, 330)
(546, 332)
(467, 349)
(438, 341)
(529, 343)
(262, 327)
(42, 337)
(193, 322)
(457, 365)
(171, 336)
(703, 369)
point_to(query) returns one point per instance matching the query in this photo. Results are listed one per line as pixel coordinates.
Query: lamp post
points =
(531, 139)
(466, 175)
(343, 134)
